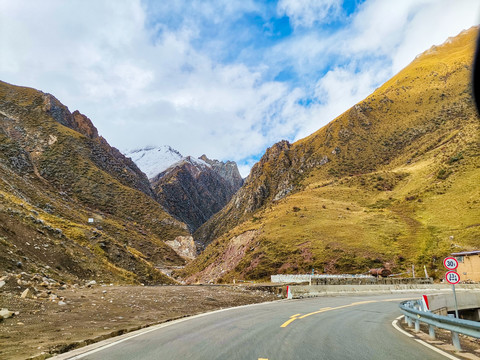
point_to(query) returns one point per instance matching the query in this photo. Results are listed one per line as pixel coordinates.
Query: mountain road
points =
(343, 327)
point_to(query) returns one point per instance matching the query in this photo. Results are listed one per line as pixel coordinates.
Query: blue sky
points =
(227, 78)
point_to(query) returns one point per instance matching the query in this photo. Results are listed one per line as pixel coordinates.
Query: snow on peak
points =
(153, 160)
(198, 162)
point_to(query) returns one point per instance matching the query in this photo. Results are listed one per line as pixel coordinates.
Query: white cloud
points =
(308, 12)
(138, 90)
(149, 73)
(403, 29)
(432, 25)
(337, 91)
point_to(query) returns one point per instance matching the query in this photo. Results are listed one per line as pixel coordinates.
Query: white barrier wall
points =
(303, 278)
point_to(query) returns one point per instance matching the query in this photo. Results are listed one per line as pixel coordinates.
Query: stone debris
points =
(25, 293)
(91, 283)
(5, 313)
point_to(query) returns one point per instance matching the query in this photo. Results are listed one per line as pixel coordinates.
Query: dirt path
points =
(74, 317)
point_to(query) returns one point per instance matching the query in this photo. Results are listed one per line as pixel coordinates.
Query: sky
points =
(225, 78)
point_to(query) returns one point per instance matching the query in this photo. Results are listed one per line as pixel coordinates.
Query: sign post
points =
(452, 277)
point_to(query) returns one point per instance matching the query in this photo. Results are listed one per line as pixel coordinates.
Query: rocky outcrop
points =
(227, 170)
(192, 190)
(184, 246)
(116, 164)
(229, 259)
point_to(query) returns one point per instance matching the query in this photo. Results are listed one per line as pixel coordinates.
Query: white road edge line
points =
(395, 325)
(102, 345)
(441, 352)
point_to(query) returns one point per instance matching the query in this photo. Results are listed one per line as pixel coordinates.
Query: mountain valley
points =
(391, 182)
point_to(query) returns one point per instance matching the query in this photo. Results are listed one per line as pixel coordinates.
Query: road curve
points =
(346, 327)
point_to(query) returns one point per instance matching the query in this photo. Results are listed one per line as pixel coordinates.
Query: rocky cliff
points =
(71, 206)
(227, 170)
(192, 190)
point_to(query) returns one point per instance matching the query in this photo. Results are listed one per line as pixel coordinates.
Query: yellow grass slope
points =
(401, 185)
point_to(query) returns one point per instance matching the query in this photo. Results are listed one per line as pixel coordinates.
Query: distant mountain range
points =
(190, 189)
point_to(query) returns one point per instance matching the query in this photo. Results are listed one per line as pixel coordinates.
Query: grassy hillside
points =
(55, 174)
(394, 180)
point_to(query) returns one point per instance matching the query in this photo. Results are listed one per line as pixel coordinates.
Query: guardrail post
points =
(456, 340)
(417, 325)
(455, 337)
(409, 321)
(431, 331)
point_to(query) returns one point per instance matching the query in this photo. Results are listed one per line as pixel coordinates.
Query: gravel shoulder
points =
(75, 317)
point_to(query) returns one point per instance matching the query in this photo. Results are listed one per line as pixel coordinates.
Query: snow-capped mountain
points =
(190, 189)
(153, 160)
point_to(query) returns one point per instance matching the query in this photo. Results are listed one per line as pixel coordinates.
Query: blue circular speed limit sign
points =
(452, 277)
(450, 263)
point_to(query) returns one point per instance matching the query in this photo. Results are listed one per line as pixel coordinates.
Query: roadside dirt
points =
(74, 317)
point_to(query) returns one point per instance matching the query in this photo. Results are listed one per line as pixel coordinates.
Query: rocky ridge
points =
(192, 190)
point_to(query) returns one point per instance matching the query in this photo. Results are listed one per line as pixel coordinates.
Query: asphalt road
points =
(353, 327)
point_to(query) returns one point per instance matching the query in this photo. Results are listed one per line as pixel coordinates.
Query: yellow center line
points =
(363, 302)
(292, 318)
(315, 312)
(262, 359)
(297, 316)
(285, 324)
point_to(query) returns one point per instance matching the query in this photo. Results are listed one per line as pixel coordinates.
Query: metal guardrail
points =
(414, 313)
